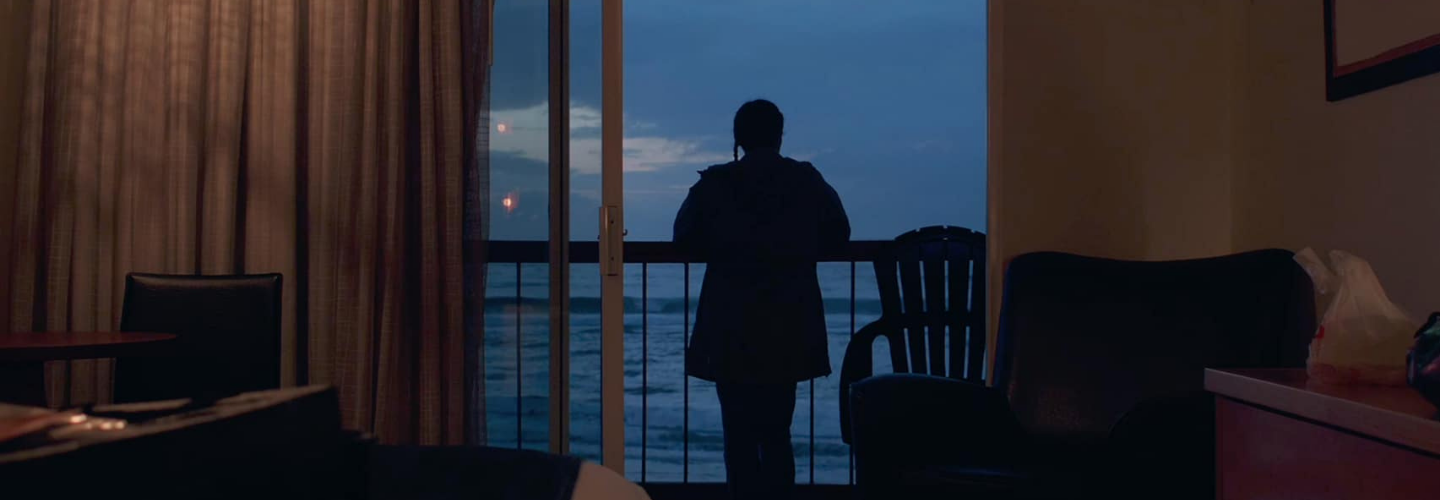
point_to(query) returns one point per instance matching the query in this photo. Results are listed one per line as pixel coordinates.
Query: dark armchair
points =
(1097, 385)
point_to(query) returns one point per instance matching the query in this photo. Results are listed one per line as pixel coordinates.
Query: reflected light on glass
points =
(511, 200)
(502, 128)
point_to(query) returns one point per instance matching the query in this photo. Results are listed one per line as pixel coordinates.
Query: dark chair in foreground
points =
(932, 300)
(284, 443)
(228, 330)
(1098, 384)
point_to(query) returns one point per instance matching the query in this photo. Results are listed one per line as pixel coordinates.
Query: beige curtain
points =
(331, 141)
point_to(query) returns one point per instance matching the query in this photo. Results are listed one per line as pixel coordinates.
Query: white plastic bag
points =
(1363, 337)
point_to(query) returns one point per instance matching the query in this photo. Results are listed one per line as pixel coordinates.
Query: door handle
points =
(612, 241)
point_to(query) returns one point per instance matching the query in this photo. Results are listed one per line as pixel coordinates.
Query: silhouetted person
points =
(761, 223)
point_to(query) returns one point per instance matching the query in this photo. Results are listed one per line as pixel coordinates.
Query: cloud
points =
(584, 117)
(811, 155)
(521, 123)
(525, 135)
(644, 154)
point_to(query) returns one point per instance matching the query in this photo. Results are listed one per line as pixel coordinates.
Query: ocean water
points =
(658, 441)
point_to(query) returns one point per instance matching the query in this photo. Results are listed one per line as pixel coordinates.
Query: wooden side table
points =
(23, 356)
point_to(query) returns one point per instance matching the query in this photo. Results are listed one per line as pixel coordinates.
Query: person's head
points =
(758, 125)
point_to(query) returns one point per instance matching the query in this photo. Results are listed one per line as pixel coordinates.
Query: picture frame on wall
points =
(1371, 45)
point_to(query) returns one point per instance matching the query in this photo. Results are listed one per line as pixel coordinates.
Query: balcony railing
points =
(841, 312)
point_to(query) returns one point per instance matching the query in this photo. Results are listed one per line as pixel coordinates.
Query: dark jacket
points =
(760, 223)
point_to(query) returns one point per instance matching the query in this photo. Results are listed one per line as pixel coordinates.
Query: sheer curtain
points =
(338, 143)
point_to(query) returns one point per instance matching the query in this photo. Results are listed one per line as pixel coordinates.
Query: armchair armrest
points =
(903, 421)
(857, 364)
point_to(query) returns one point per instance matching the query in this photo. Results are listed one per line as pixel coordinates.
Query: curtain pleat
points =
(337, 143)
(267, 183)
(227, 50)
(84, 202)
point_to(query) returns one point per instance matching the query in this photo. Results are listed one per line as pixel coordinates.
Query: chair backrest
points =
(932, 295)
(932, 301)
(1083, 340)
(228, 329)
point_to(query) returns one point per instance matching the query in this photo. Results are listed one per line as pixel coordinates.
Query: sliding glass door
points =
(517, 286)
(554, 291)
(597, 231)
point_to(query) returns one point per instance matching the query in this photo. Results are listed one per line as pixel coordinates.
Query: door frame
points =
(612, 232)
(612, 236)
(559, 245)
